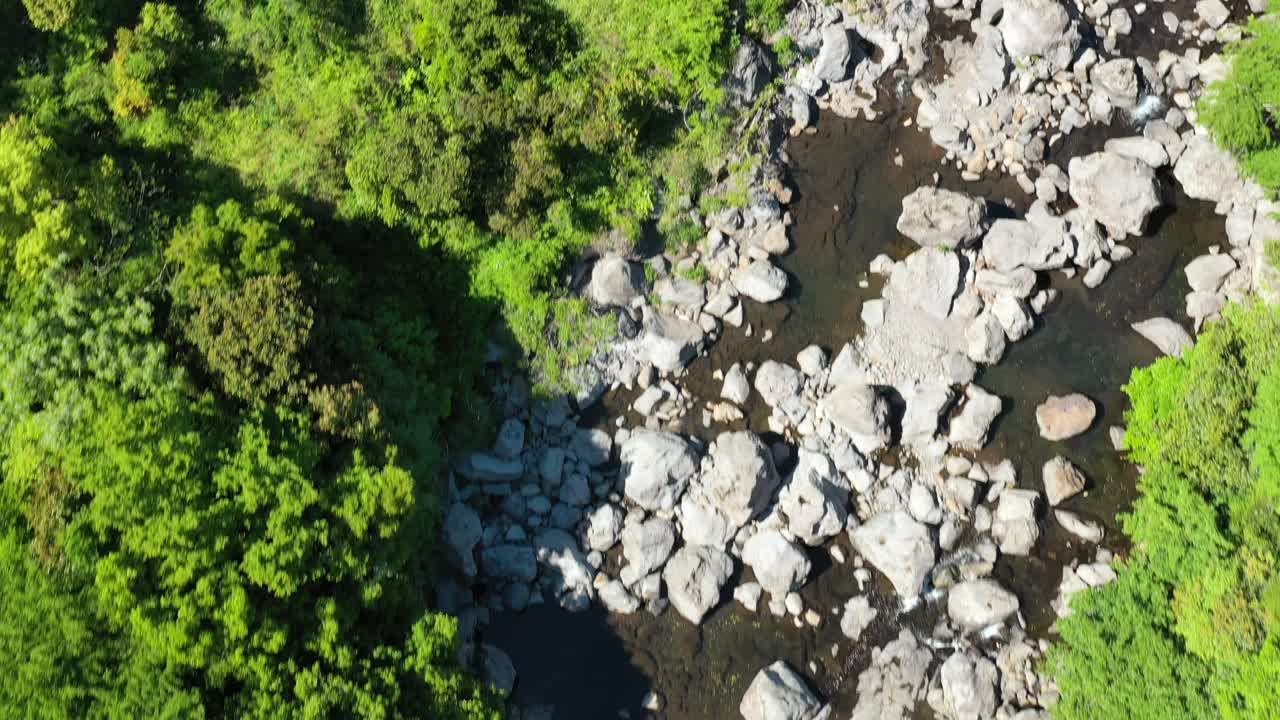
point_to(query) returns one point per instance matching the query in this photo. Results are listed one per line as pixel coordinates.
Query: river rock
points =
(1066, 416)
(1039, 28)
(486, 468)
(656, 468)
(761, 281)
(741, 479)
(602, 528)
(1206, 171)
(568, 574)
(668, 342)
(969, 428)
(1119, 192)
(857, 617)
(778, 693)
(462, 532)
(928, 279)
(497, 669)
(592, 446)
(615, 281)
(551, 467)
(778, 383)
(933, 216)
(646, 547)
(510, 440)
(695, 576)
(815, 499)
(1207, 272)
(702, 524)
(969, 687)
(834, 55)
(1011, 244)
(975, 604)
(509, 562)
(860, 412)
(1078, 526)
(895, 682)
(1014, 317)
(898, 546)
(1145, 149)
(680, 292)
(780, 565)
(736, 389)
(926, 403)
(749, 595)
(1165, 334)
(812, 360)
(750, 73)
(1213, 12)
(1013, 525)
(1118, 81)
(1062, 480)
(1019, 282)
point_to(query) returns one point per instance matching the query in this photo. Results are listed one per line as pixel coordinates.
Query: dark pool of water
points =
(849, 191)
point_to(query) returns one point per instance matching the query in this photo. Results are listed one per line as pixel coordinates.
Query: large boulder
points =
(646, 546)
(835, 55)
(1145, 149)
(1206, 171)
(780, 565)
(778, 693)
(928, 279)
(1013, 525)
(656, 468)
(1062, 480)
(496, 668)
(925, 405)
(680, 292)
(815, 500)
(509, 562)
(761, 281)
(702, 524)
(741, 479)
(1165, 334)
(1011, 244)
(893, 685)
(856, 617)
(778, 383)
(1065, 416)
(860, 412)
(898, 546)
(486, 468)
(1118, 81)
(602, 528)
(976, 604)
(668, 342)
(615, 281)
(462, 532)
(566, 569)
(1118, 191)
(969, 690)
(932, 216)
(1207, 272)
(695, 577)
(751, 72)
(969, 428)
(1039, 28)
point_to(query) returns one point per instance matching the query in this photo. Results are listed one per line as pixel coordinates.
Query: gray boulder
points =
(603, 527)
(680, 292)
(835, 54)
(462, 532)
(778, 693)
(1013, 525)
(510, 440)
(969, 687)
(1165, 334)
(926, 404)
(975, 604)
(703, 524)
(778, 383)
(750, 73)
(894, 684)
(932, 216)
(1011, 244)
(741, 479)
(615, 281)
(568, 574)
(780, 565)
(1062, 480)
(1149, 151)
(761, 281)
(646, 546)
(969, 428)
(1117, 191)
(1207, 272)
(497, 669)
(486, 468)
(1039, 28)
(899, 547)
(617, 599)
(856, 617)
(1118, 81)
(928, 279)
(1206, 171)
(509, 562)
(1065, 416)
(592, 446)
(656, 468)
(1084, 529)
(695, 577)
(860, 412)
(668, 342)
(815, 499)
(736, 389)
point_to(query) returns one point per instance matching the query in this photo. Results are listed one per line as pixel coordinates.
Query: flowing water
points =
(849, 189)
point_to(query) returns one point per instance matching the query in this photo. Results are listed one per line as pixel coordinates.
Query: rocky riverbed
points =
(853, 454)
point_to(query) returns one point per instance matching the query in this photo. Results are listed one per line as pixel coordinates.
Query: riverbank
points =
(883, 406)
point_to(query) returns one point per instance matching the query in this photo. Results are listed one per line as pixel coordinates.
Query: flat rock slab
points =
(1066, 416)
(1165, 334)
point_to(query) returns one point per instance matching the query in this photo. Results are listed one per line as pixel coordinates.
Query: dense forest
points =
(252, 254)
(1192, 627)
